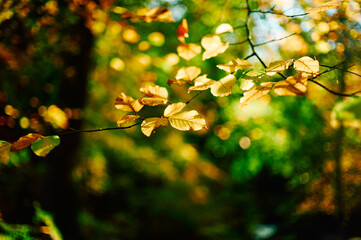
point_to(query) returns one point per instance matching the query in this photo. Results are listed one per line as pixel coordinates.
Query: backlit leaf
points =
(126, 119)
(323, 7)
(56, 117)
(25, 141)
(246, 84)
(188, 50)
(235, 65)
(154, 91)
(160, 14)
(182, 31)
(188, 120)
(4, 152)
(176, 82)
(278, 66)
(153, 101)
(44, 145)
(224, 86)
(150, 124)
(173, 109)
(307, 65)
(256, 93)
(128, 104)
(188, 73)
(223, 28)
(293, 85)
(213, 46)
(201, 83)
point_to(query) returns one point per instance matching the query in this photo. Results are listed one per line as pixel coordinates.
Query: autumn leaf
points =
(56, 117)
(223, 28)
(278, 66)
(173, 109)
(307, 65)
(201, 83)
(160, 14)
(25, 141)
(43, 146)
(224, 86)
(150, 124)
(255, 93)
(156, 95)
(182, 31)
(246, 84)
(176, 82)
(188, 50)
(235, 65)
(188, 73)
(127, 104)
(126, 119)
(188, 120)
(254, 74)
(213, 46)
(4, 152)
(323, 7)
(292, 86)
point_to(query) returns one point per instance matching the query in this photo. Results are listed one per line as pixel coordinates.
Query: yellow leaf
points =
(201, 83)
(213, 46)
(247, 84)
(235, 65)
(173, 109)
(323, 7)
(278, 66)
(25, 141)
(256, 93)
(223, 28)
(126, 119)
(153, 101)
(224, 86)
(161, 14)
(188, 50)
(307, 65)
(154, 91)
(176, 82)
(56, 117)
(150, 124)
(188, 73)
(189, 120)
(294, 85)
(128, 104)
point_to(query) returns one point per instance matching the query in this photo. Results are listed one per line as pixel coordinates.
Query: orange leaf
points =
(173, 109)
(182, 31)
(294, 85)
(153, 101)
(150, 124)
(128, 104)
(25, 141)
(213, 46)
(256, 93)
(188, 50)
(126, 119)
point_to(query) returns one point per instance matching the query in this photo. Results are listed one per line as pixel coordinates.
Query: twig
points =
(274, 40)
(190, 100)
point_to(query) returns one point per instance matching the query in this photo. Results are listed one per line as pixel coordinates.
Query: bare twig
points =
(274, 40)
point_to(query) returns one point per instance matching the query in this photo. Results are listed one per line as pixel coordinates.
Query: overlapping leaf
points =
(128, 104)
(213, 46)
(307, 65)
(43, 146)
(278, 66)
(201, 83)
(174, 109)
(188, 50)
(25, 141)
(150, 124)
(292, 86)
(188, 120)
(188, 73)
(224, 86)
(126, 119)
(235, 65)
(246, 84)
(256, 93)
(156, 95)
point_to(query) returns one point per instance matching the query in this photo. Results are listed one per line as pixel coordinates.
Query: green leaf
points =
(4, 151)
(43, 146)
(349, 109)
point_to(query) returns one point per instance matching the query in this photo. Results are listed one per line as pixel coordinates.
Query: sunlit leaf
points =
(154, 91)
(223, 28)
(323, 7)
(25, 141)
(256, 93)
(224, 86)
(182, 31)
(188, 73)
(43, 146)
(161, 14)
(213, 46)
(153, 101)
(246, 84)
(278, 66)
(201, 83)
(128, 104)
(255, 74)
(293, 85)
(188, 50)
(173, 109)
(57, 117)
(235, 65)
(188, 120)
(307, 65)
(4, 152)
(176, 82)
(126, 119)
(150, 124)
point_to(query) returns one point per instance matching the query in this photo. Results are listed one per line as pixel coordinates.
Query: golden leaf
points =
(278, 66)
(25, 141)
(188, 120)
(154, 91)
(235, 65)
(126, 119)
(323, 7)
(223, 28)
(153, 101)
(307, 65)
(201, 83)
(173, 109)
(128, 104)
(188, 73)
(176, 82)
(213, 46)
(161, 14)
(150, 124)
(294, 85)
(188, 50)
(247, 84)
(224, 86)
(182, 31)
(256, 93)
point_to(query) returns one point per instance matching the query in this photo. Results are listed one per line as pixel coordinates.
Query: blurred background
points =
(279, 168)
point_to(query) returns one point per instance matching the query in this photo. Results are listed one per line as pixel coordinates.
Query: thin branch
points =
(190, 100)
(334, 92)
(274, 40)
(280, 13)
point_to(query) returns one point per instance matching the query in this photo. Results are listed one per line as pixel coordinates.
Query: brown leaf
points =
(224, 86)
(160, 14)
(4, 152)
(126, 119)
(174, 109)
(307, 65)
(182, 31)
(235, 65)
(201, 83)
(294, 85)
(213, 46)
(188, 50)
(150, 124)
(128, 104)
(256, 93)
(25, 141)
(188, 73)
(153, 101)
(176, 82)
